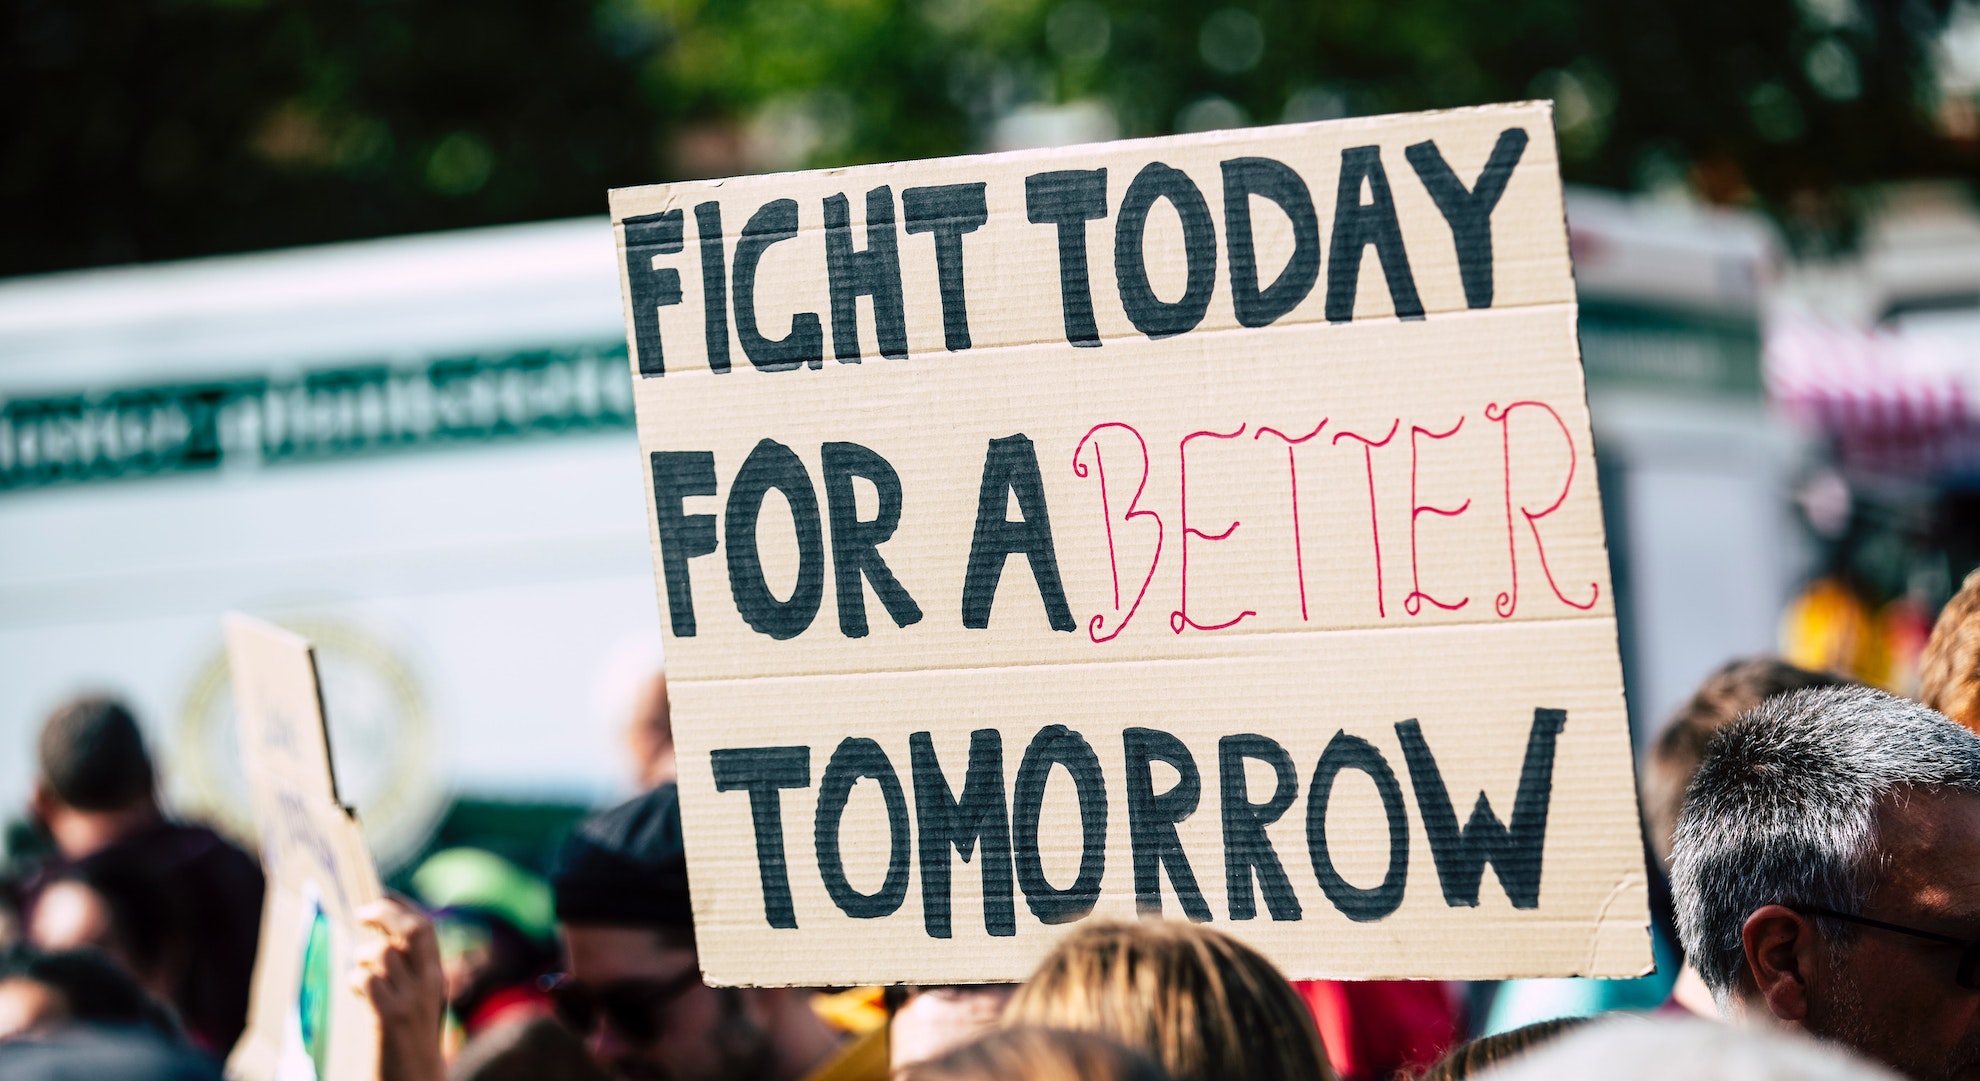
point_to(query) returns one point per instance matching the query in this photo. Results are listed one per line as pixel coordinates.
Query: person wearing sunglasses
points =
(633, 987)
(1826, 874)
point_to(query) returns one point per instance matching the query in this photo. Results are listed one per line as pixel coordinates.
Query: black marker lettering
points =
(856, 544)
(773, 221)
(1247, 848)
(1357, 225)
(763, 772)
(1273, 180)
(856, 759)
(714, 285)
(1148, 312)
(651, 287)
(1515, 851)
(1056, 745)
(1011, 465)
(773, 465)
(1069, 199)
(1152, 821)
(678, 474)
(1361, 905)
(975, 822)
(948, 211)
(1469, 213)
(875, 272)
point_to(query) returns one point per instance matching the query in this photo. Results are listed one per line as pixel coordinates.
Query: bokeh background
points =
(159, 129)
(309, 308)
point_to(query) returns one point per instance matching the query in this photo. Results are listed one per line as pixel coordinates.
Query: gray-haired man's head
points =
(1839, 800)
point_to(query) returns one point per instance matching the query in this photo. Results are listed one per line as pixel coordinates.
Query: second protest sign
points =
(1201, 526)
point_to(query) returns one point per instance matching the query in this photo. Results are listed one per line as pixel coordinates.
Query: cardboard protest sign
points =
(304, 1023)
(1202, 526)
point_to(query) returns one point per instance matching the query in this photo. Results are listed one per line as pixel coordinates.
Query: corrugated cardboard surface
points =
(314, 857)
(1264, 473)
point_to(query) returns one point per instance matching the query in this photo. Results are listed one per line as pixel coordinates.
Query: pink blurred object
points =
(1374, 1028)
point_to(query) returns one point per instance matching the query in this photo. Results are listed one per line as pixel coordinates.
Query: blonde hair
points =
(1037, 1054)
(1202, 1004)
(1949, 672)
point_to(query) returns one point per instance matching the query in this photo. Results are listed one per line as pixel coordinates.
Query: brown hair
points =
(1679, 748)
(1474, 1057)
(537, 1049)
(1038, 1054)
(93, 756)
(1949, 673)
(1202, 1004)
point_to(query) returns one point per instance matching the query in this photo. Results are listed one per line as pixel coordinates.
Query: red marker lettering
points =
(1509, 601)
(1179, 618)
(1292, 469)
(1099, 621)
(1374, 520)
(1413, 604)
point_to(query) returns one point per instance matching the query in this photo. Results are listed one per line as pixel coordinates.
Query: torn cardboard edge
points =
(303, 1022)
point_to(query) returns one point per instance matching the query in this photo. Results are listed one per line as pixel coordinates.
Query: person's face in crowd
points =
(653, 1019)
(72, 916)
(27, 1007)
(466, 954)
(650, 737)
(1894, 996)
(937, 1020)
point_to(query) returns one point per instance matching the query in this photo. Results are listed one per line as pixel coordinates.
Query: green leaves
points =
(141, 129)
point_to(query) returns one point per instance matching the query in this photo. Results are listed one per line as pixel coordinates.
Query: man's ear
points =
(1781, 948)
(42, 803)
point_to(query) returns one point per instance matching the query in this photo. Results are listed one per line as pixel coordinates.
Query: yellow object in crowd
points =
(858, 1010)
(1830, 628)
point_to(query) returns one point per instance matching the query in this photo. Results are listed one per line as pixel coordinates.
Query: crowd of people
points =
(1814, 847)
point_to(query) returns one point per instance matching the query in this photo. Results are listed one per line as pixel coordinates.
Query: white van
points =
(418, 451)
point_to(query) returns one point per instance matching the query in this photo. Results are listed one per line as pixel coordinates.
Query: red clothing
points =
(519, 1003)
(1374, 1028)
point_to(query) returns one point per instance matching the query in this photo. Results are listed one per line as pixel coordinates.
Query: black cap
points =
(626, 866)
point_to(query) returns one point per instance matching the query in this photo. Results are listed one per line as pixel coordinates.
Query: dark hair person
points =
(44, 990)
(634, 987)
(1825, 876)
(633, 993)
(536, 1049)
(178, 903)
(1199, 1002)
(1474, 1057)
(78, 1014)
(96, 1053)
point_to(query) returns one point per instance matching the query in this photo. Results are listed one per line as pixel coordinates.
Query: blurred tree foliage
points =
(152, 129)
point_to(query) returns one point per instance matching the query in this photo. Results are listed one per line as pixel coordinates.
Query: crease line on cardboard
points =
(1632, 882)
(1242, 650)
(1088, 356)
